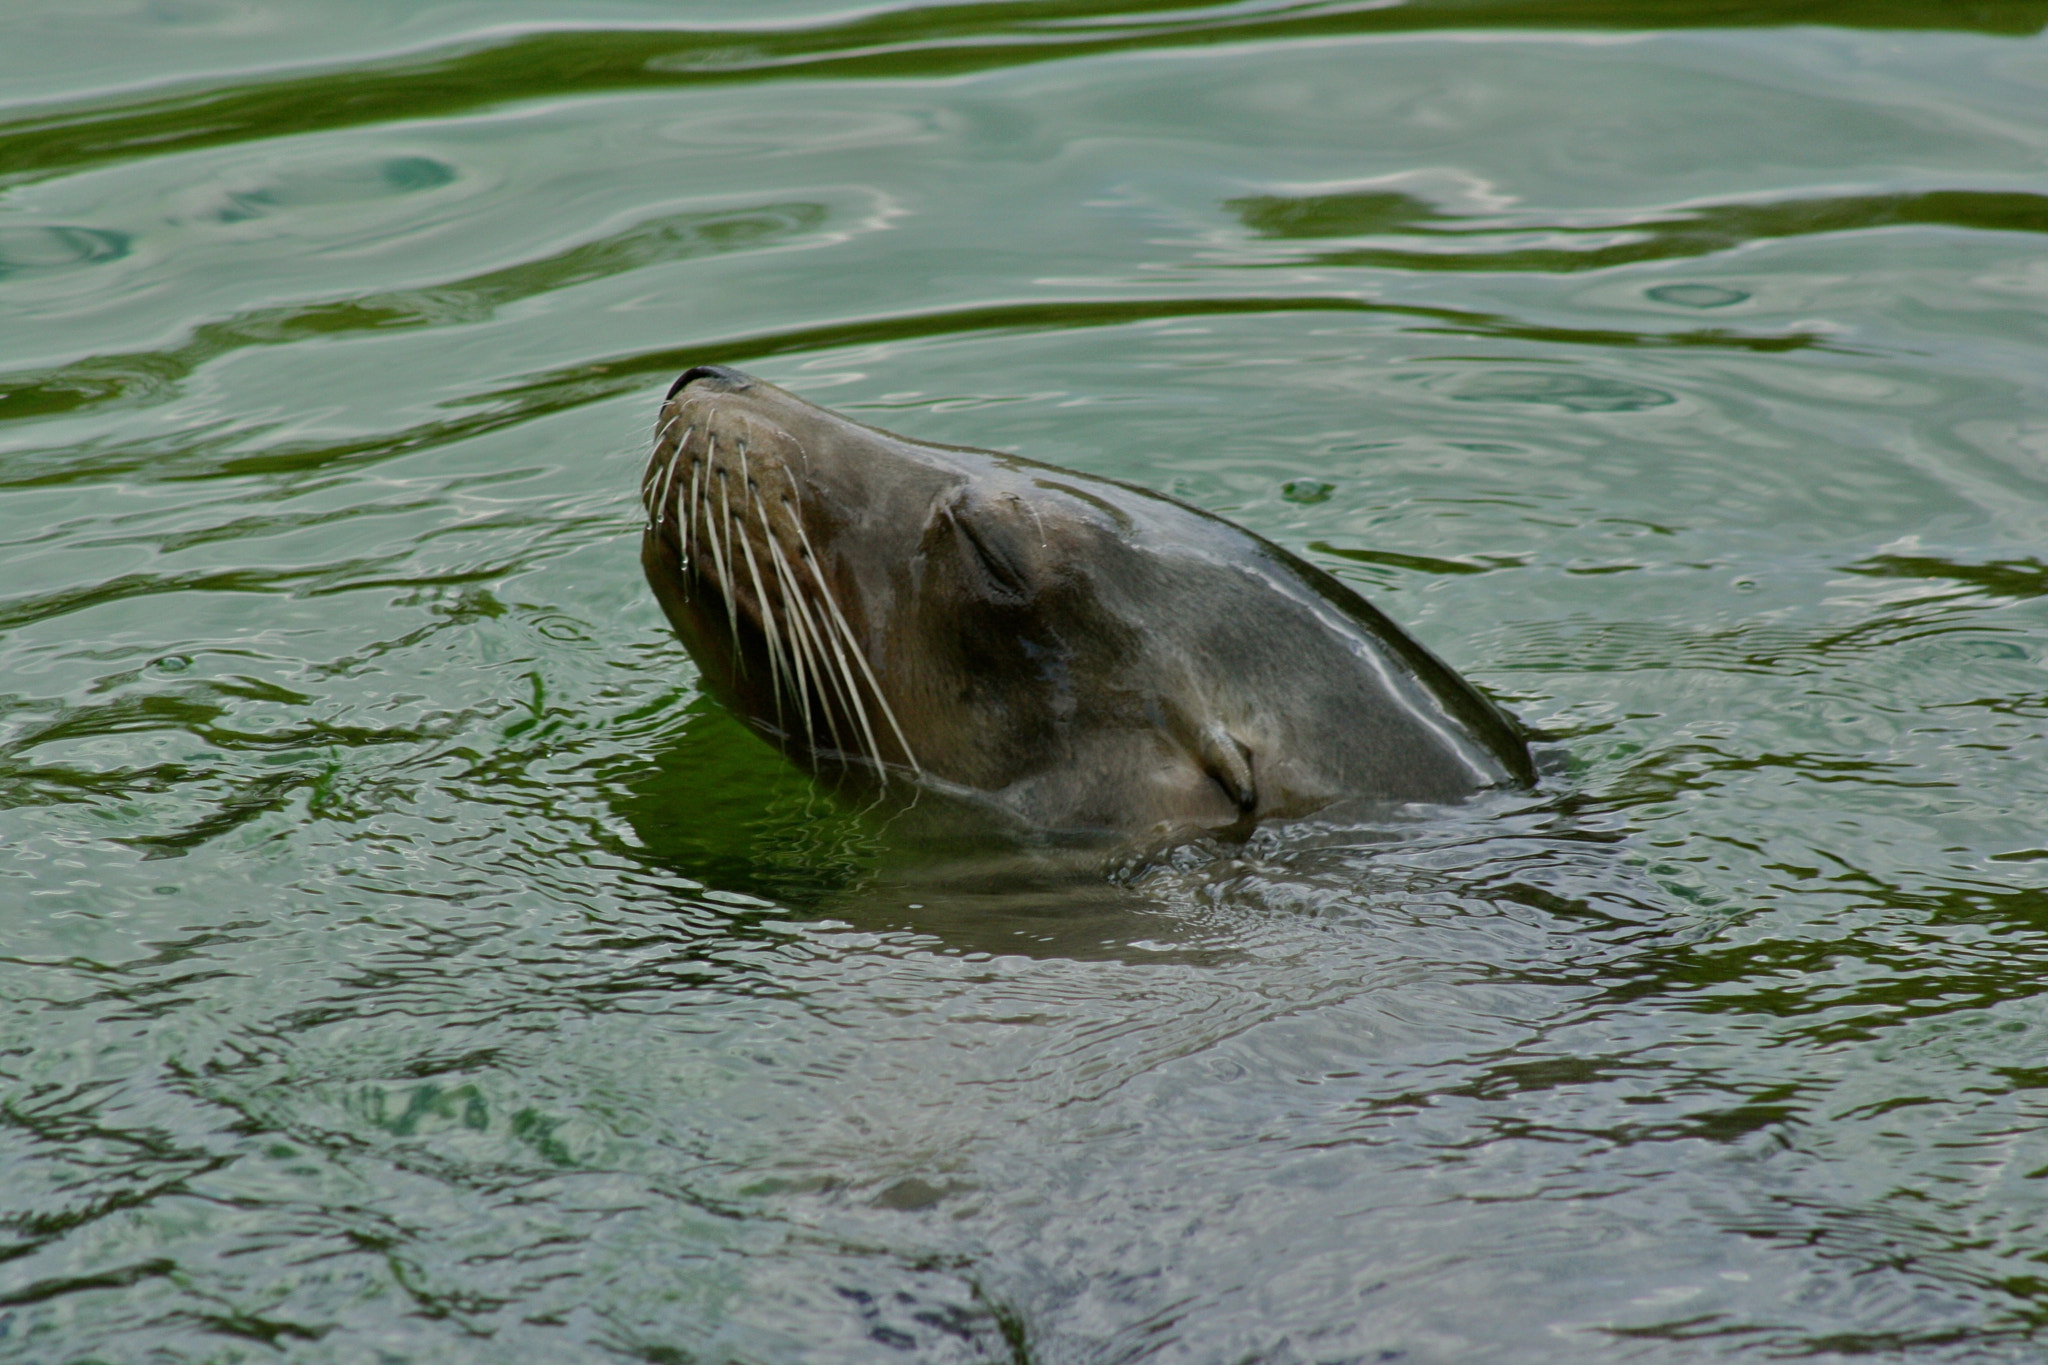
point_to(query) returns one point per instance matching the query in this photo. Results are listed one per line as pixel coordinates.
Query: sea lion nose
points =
(725, 376)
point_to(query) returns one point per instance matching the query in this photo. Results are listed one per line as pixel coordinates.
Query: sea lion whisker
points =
(654, 492)
(860, 709)
(769, 629)
(832, 661)
(725, 561)
(726, 567)
(650, 485)
(693, 546)
(647, 484)
(750, 493)
(714, 542)
(830, 669)
(796, 491)
(852, 684)
(655, 471)
(799, 644)
(888, 711)
(659, 499)
(672, 479)
(738, 530)
(821, 663)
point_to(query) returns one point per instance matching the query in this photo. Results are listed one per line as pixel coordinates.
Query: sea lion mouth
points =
(726, 506)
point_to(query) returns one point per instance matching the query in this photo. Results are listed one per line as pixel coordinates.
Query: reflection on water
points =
(403, 960)
(27, 249)
(103, 379)
(1442, 243)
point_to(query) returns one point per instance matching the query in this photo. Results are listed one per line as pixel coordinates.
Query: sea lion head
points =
(1081, 653)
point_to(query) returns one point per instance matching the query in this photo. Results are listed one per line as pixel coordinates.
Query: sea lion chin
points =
(1080, 654)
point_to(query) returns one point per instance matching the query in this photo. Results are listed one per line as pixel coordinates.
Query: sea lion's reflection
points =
(720, 809)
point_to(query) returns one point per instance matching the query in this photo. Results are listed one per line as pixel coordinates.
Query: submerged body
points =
(1081, 654)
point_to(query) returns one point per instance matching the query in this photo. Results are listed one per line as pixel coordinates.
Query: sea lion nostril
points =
(725, 374)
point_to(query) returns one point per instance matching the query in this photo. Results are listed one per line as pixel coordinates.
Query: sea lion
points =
(1079, 654)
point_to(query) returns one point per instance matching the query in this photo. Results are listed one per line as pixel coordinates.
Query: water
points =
(403, 962)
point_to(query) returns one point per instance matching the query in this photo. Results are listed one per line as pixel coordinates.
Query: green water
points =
(401, 961)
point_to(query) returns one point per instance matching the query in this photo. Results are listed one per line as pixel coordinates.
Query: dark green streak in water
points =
(1692, 232)
(2011, 578)
(930, 42)
(150, 375)
(129, 379)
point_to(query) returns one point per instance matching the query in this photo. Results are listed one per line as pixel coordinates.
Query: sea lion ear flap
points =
(1225, 758)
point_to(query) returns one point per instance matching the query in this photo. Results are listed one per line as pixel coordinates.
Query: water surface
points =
(403, 961)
